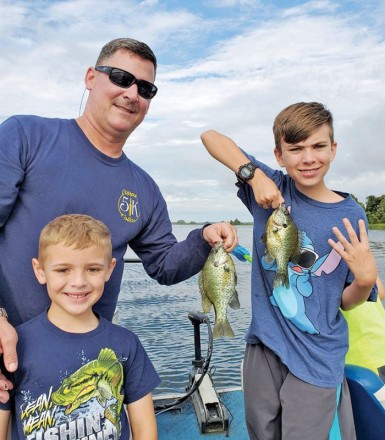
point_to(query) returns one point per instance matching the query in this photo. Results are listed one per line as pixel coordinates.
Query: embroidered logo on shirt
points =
(128, 206)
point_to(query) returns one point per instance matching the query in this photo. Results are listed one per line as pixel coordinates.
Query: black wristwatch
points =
(245, 173)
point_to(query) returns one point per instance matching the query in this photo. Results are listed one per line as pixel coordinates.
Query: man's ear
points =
(89, 78)
(39, 271)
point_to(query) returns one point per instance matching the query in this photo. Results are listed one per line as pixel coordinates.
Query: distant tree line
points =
(374, 208)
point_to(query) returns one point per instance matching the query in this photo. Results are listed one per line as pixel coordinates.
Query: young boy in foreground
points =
(293, 374)
(77, 370)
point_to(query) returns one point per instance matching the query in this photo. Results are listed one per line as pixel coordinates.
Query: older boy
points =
(297, 340)
(81, 370)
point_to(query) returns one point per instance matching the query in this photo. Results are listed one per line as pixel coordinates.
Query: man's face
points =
(114, 111)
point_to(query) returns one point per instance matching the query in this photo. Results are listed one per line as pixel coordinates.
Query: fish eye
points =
(285, 225)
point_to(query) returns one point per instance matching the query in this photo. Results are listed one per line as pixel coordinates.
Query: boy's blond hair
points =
(297, 122)
(78, 230)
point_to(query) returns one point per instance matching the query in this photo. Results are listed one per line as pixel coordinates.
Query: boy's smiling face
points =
(307, 162)
(75, 278)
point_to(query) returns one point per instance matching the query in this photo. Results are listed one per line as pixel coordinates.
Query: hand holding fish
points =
(266, 192)
(356, 253)
(222, 231)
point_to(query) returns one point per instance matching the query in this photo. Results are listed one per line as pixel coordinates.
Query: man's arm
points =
(11, 176)
(226, 151)
(142, 419)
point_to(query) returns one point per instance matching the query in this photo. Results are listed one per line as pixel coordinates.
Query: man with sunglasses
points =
(49, 167)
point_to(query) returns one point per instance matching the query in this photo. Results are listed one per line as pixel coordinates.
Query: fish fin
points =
(296, 258)
(107, 355)
(281, 279)
(112, 413)
(223, 329)
(264, 237)
(268, 258)
(101, 400)
(200, 281)
(104, 389)
(234, 301)
(206, 303)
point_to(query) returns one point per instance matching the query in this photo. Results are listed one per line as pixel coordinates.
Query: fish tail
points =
(234, 301)
(281, 279)
(112, 413)
(223, 329)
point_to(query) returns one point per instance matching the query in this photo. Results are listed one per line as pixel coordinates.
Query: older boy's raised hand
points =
(266, 193)
(356, 253)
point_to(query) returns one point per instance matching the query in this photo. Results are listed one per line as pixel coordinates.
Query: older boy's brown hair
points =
(78, 230)
(297, 122)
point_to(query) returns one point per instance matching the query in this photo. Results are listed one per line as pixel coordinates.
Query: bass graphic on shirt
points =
(101, 379)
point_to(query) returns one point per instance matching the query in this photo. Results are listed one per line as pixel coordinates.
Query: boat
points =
(203, 411)
(207, 412)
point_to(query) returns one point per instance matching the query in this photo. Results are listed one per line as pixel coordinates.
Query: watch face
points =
(245, 172)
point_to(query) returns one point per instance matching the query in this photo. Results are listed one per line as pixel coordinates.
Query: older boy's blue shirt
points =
(302, 324)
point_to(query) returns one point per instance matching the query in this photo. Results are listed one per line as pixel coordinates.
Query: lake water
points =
(158, 315)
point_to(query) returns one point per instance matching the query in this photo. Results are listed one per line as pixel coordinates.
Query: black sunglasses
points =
(124, 79)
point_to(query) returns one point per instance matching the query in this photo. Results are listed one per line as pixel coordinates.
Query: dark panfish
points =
(217, 282)
(283, 243)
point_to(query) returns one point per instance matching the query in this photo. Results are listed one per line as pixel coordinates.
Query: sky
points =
(230, 65)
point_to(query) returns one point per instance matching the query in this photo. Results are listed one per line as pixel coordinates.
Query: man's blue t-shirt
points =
(303, 324)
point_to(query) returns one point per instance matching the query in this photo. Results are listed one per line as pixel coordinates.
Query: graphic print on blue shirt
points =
(87, 399)
(128, 206)
(291, 300)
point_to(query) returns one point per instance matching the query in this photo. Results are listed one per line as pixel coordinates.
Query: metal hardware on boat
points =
(198, 318)
(211, 414)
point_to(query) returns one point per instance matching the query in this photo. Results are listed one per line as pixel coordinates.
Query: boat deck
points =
(182, 423)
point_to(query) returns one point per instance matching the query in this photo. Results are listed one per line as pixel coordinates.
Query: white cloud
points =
(231, 72)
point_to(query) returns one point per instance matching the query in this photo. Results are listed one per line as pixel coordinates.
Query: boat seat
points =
(368, 411)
